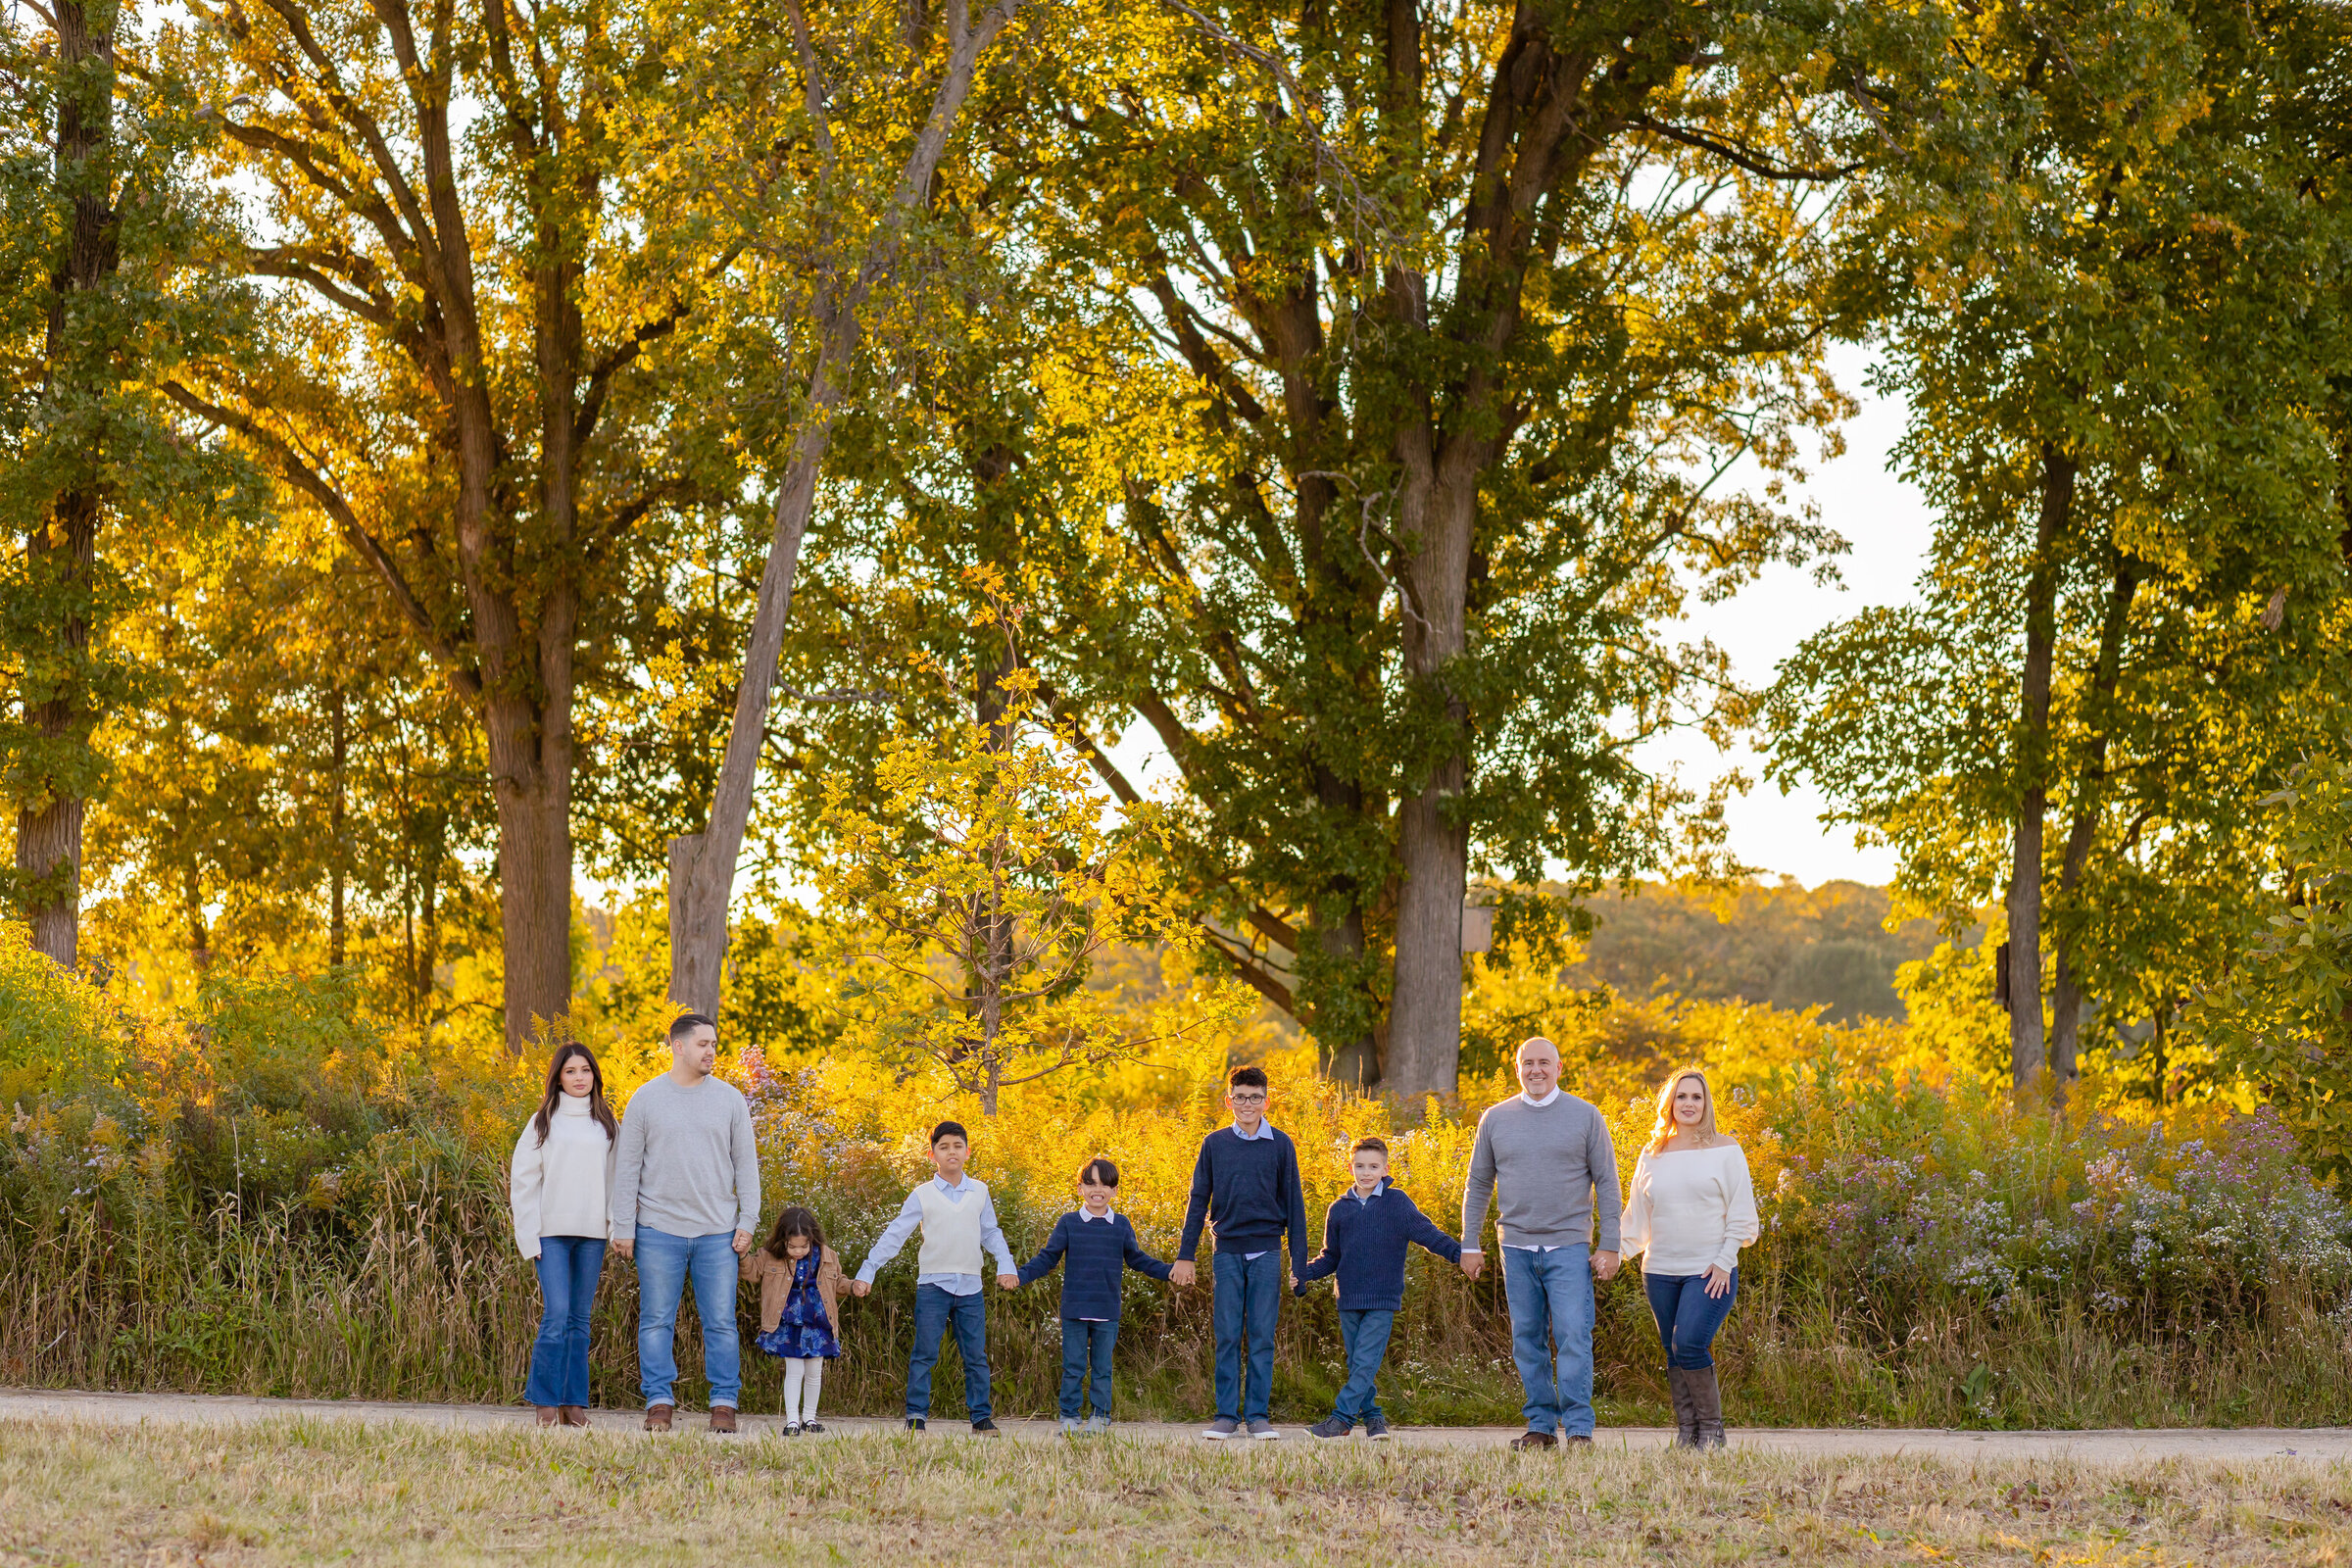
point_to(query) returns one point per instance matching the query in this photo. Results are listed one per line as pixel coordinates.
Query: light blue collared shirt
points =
(911, 1215)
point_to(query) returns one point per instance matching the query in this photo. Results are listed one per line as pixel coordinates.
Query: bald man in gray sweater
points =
(1549, 1154)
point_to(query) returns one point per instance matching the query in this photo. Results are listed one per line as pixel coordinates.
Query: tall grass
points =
(286, 1204)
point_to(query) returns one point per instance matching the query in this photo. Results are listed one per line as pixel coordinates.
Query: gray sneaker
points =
(1098, 1423)
(1261, 1430)
(1221, 1428)
(1376, 1427)
(1331, 1426)
(1070, 1425)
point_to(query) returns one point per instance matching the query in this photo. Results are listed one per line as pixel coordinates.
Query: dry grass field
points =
(308, 1492)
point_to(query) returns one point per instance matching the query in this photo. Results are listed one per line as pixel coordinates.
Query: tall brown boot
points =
(1706, 1402)
(1686, 1408)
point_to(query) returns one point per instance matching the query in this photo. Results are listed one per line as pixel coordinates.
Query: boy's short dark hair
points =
(1370, 1145)
(1099, 1169)
(1247, 1078)
(686, 1023)
(948, 1129)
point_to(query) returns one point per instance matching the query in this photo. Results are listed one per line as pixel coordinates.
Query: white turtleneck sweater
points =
(1690, 1209)
(562, 1186)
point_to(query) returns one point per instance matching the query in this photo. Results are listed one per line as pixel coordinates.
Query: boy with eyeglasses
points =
(1245, 1186)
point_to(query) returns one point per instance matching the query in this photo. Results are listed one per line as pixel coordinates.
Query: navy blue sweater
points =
(1097, 1252)
(1364, 1244)
(1248, 1188)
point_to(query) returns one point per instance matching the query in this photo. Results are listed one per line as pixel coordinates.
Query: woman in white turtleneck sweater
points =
(561, 1190)
(1691, 1208)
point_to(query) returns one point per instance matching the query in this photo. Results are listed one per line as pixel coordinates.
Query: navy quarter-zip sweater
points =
(1364, 1243)
(1248, 1189)
(1096, 1252)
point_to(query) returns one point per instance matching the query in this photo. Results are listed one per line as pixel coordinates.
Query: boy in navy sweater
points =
(1365, 1241)
(1245, 1183)
(1099, 1246)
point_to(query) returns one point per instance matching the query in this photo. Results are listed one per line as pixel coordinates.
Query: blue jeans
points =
(1086, 1360)
(1248, 1292)
(664, 1263)
(1687, 1316)
(1364, 1337)
(1551, 1335)
(934, 1310)
(569, 1267)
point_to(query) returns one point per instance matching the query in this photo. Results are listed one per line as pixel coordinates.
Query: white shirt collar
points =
(1107, 1216)
(1545, 1100)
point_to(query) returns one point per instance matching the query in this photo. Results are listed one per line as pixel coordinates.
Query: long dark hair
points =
(797, 1222)
(596, 1091)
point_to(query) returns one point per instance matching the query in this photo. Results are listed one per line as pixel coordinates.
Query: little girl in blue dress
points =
(799, 1305)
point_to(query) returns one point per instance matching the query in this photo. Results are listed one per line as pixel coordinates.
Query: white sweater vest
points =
(951, 1229)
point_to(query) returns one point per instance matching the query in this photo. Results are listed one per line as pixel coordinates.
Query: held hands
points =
(743, 1243)
(1009, 1282)
(1473, 1262)
(1719, 1282)
(1604, 1265)
(1180, 1274)
(861, 1287)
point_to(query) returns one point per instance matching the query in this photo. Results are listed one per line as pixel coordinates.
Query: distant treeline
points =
(1784, 944)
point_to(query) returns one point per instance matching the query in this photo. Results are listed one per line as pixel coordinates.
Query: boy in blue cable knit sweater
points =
(1101, 1246)
(1365, 1237)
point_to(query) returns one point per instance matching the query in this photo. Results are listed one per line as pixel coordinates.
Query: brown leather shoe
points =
(1526, 1441)
(722, 1418)
(656, 1417)
(1579, 1442)
(572, 1415)
(547, 1414)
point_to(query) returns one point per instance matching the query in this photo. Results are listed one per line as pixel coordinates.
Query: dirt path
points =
(2317, 1443)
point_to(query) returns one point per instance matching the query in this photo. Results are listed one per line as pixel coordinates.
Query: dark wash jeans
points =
(569, 1267)
(1364, 1338)
(1687, 1316)
(934, 1310)
(1085, 1366)
(1249, 1290)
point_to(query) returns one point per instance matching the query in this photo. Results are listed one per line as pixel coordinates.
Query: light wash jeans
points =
(663, 1264)
(568, 1266)
(1551, 1335)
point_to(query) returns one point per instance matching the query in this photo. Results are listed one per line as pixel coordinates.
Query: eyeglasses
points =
(1250, 1097)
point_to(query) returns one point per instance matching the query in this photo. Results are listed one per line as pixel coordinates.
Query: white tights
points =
(804, 1377)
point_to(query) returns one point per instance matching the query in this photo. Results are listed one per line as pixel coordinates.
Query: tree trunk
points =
(62, 551)
(1352, 1057)
(338, 830)
(534, 886)
(702, 866)
(1437, 506)
(2090, 793)
(2027, 1038)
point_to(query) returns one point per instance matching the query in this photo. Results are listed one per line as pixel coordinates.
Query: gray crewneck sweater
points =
(1551, 1164)
(686, 1165)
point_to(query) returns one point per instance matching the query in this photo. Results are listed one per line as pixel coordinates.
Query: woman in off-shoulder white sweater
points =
(1691, 1208)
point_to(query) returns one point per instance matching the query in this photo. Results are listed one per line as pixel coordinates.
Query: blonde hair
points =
(1666, 1126)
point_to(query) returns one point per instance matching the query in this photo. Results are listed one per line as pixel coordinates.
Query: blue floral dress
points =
(803, 1331)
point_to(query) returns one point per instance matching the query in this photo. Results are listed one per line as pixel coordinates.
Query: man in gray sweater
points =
(686, 1202)
(1549, 1153)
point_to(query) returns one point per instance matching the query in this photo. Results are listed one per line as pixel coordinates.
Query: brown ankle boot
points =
(546, 1415)
(1706, 1399)
(1686, 1409)
(722, 1418)
(572, 1415)
(656, 1417)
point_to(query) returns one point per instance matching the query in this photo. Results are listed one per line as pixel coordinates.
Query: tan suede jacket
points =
(774, 1275)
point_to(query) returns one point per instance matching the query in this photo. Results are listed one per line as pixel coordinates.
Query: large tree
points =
(1472, 309)
(2116, 346)
(466, 393)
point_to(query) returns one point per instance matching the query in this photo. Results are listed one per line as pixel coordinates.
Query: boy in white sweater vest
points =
(957, 1221)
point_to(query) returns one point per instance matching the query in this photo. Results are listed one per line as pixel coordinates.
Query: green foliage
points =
(58, 1036)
